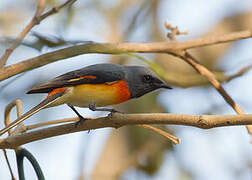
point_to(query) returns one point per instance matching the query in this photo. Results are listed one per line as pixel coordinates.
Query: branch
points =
(190, 80)
(117, 48)
(37, 18)
(119, 120)
(21, 36)
(56, 9)
(188, 58)
(8, 164)
(8, 108)
(167, 135)
(212, 79)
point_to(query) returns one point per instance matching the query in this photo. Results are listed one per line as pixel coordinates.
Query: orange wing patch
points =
(55, 91)
(83, 77)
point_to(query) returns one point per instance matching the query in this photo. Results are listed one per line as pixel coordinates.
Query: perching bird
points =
(94, 86)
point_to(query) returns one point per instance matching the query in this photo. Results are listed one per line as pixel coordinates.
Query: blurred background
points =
(131, 153)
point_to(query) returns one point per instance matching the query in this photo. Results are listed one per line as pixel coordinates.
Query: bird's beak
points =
(166, 86)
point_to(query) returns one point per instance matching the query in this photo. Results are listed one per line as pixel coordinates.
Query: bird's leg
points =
(92, 106)
(82, 119)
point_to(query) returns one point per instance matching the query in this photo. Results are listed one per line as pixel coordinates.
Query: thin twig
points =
(174, 31)
(21, 36)
(174, 139)
(118, 120)
(187, 57)
(8, 163)
(212, 79)
(56, 9)
(188, 80)
(37, 18)
(18, 104)
(48, 123)
(53, 122)
(117, 48)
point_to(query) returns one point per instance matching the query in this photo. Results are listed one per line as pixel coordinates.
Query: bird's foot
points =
(92, 107)
(81, 120)
(113, 111)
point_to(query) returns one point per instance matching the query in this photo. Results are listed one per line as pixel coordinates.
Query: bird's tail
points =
(43, 104)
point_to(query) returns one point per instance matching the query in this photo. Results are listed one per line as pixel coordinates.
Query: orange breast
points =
(102, 94)
(122, 92)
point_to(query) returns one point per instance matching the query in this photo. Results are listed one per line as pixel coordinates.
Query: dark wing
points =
(94, 74)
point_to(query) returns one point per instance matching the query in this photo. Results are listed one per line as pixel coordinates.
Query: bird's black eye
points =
(147, 78)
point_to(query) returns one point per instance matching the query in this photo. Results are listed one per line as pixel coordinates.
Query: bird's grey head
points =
(142, 80)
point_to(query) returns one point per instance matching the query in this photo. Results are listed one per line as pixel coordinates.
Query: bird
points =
(93, 86)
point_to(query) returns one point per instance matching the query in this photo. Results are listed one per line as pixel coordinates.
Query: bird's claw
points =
(112, 111)
(81, 120)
